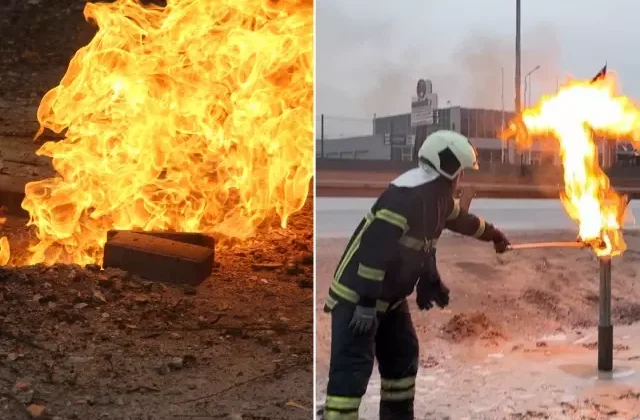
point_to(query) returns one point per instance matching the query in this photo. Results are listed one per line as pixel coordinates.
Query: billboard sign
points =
(423, 105)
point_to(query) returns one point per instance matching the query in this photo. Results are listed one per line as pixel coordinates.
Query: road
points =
(337, 217)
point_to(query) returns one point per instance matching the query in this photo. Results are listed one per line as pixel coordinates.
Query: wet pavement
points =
(546, 377)
(337, 217)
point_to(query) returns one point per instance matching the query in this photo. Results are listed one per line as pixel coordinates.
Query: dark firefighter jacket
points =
(386, 254)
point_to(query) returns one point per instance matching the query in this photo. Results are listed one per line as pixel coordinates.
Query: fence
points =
(332, 127)
(393, 138)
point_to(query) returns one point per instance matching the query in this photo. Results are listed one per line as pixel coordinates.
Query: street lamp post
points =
(527, 85)
(527, 99)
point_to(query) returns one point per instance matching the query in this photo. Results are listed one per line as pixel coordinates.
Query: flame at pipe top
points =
(572, 116)
(196, 117)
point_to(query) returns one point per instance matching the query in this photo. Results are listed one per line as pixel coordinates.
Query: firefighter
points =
(391, 253)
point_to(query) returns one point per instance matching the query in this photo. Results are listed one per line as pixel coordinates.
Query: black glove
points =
(428, 293)
(424, 295)
(430, 287)
(441, 295)
(500, 241)
(363, 320)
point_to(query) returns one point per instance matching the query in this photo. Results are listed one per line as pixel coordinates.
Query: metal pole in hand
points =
(605, 329)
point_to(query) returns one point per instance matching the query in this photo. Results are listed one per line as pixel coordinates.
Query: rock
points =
(106, 282)
(294, 270)
(12, 357)
(36, 410)
(307, 259)
(22, 385)
(176, 363)
(266, 266)
(158, 288)
(77, 360)
(162, 369)
(75, 275)
(305, 283)
(49, 297)
(25, 397)
(142, 299)
(80, 305)
(99, 297)
(5, 274)
(93, 268)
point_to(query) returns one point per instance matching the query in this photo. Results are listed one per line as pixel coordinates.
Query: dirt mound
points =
(625, 312)
(542, 299)
(465, 326)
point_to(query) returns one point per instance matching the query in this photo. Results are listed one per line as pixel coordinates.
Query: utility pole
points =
(518, 81)
(322, 136)
(502, 146)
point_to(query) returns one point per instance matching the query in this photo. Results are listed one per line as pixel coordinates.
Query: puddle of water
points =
(590, 372)
(555, 338)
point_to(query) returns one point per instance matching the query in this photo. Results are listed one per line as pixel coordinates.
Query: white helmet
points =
(448, 152)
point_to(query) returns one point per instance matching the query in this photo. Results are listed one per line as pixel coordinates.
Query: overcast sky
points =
(371, 53)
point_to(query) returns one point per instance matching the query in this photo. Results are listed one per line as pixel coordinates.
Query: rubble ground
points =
(519, 338)
(85, 343)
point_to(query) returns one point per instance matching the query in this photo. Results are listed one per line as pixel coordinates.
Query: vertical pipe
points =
(322, 135)
(518, 81)
(502, 110)
(391, 127)
(526, 90)
(605, 329)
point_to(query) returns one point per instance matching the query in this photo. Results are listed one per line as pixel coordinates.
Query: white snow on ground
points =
(337, 217)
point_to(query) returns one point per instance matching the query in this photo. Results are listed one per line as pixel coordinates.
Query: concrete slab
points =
(159, 259)
(199, 239)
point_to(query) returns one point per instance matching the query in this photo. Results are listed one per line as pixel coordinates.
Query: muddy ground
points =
(519, 338)
(81, 343)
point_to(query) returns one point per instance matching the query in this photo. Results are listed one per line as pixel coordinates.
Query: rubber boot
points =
(396, 410)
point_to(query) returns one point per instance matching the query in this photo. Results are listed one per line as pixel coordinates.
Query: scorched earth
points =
(80, 343)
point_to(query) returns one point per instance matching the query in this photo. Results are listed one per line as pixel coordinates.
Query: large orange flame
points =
(194, 117)
(573, 115)
(5, 251)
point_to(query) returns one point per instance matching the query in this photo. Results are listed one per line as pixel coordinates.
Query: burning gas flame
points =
(572, 116)
(194, 117)
(5, 251)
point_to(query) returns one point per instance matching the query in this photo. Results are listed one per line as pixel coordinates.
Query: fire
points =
(572, 116)
(5, 251)
(193, 117)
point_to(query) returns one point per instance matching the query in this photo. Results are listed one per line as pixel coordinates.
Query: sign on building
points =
(423, 105)
(395, 139)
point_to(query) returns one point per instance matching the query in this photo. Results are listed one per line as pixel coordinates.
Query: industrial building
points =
(393, 138)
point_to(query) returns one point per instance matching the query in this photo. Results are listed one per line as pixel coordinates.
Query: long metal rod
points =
(605, 328)
(536, 245)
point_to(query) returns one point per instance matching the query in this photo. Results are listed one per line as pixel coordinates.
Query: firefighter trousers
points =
(393, 342)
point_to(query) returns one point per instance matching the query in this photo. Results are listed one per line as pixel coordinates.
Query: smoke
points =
(481, 58)
(370, 72)
(471, 75)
